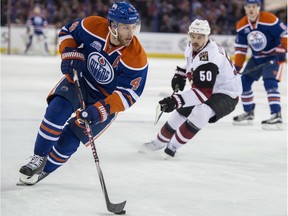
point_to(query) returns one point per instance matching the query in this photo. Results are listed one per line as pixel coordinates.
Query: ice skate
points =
(31, 180)
(244, 119)
(151, 146)
(274, 123)
(170, 151)
(35, 166)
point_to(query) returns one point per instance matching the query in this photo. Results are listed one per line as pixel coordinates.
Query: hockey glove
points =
(179, 79)
(94, 114)
(72, 59)
(168, 104)
(281, 51)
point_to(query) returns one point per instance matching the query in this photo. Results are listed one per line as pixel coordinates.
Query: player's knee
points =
(68, 143)
(58, 108)
(270, 84)
(176, 119)
(200, 115)
(246, 82)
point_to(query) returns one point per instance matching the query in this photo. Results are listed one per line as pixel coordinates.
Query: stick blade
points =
(116, 207)
(158, 114)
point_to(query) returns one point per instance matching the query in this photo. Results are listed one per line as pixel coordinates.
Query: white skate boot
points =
(274, 123)
(31, 173)
(151, 146)
(244, 119)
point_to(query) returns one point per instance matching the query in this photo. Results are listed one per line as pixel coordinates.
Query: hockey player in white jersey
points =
(215, 90)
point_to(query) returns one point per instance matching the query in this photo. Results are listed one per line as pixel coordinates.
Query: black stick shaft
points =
(111, 207)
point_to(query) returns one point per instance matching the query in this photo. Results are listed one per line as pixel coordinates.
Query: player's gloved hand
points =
(281, 51)
(179, 79)
(72, 59)
(94, 113)
(168, 104)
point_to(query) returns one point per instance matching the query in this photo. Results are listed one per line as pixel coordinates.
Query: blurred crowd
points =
(172, 16)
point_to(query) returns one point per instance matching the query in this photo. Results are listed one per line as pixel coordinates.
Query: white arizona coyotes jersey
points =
(213, 71)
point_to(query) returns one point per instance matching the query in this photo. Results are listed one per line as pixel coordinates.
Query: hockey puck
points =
(121, 213)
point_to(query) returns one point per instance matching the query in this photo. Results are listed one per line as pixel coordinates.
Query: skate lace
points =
(36, 161)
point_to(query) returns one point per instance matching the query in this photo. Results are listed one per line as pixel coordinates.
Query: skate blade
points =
(27, 180)
(243, 123)
(272, 127)
(168, 157)
(145, 150)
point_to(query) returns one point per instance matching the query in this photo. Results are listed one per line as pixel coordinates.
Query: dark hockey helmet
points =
(123, 12)
(253, 2)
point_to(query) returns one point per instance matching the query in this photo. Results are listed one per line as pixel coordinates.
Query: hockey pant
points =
(60, 147)
(56, 138)
(185, 123)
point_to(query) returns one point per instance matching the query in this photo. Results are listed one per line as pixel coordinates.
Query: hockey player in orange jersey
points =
(266, 36)
(112, 68)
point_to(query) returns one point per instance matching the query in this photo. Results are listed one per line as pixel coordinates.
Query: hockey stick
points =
(158, 108)
(260, 66)
(117, 208)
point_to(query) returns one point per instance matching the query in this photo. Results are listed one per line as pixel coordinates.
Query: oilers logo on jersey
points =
(257, 40)
(100, 68)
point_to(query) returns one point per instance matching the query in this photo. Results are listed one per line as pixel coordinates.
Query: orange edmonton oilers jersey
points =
(262, 37)
(116, 74)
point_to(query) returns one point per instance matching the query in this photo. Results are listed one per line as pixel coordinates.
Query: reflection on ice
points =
(225, 170)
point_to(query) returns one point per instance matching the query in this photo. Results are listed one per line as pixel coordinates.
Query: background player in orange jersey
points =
(266, 36)
(112, 68)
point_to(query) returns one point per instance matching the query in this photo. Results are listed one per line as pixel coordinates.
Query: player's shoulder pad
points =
(242, 23)
(134, 55)
(96, 25)
(267, 17)
(210, 52)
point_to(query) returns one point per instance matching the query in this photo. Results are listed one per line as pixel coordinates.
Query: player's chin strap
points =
(114, 35)
(117, 208)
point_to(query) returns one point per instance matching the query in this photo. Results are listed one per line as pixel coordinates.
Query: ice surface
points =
(224, 171)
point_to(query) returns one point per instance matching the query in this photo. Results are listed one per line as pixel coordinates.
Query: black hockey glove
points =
(72, 59)
(168, 104)
(179, 79)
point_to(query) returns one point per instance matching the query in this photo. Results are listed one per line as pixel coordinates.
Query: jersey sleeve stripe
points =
(132, 68)
(131, 92)
(241, 46)
(123, 100)
(240, 52)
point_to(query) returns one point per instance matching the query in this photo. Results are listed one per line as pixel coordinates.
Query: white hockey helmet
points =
(199, 27)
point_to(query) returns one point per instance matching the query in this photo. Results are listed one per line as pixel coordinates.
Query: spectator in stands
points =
(223, 13)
